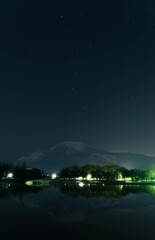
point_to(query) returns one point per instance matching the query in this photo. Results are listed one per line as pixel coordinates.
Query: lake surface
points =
(69, 212)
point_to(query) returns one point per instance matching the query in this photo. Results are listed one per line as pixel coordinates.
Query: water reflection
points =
(106, 190)
(77, 211)
(8, 190)
(92, 191)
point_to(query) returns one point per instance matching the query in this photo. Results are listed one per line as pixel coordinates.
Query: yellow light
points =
(29, 183)
(128, 179)
(88, 177)
(81, 184)
(79, 178)
(54, 175)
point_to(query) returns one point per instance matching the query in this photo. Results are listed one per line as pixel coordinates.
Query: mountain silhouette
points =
(77, 153)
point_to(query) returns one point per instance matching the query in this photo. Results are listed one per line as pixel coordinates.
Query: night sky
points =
(77, 71)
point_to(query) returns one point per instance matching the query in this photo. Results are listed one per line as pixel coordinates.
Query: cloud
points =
(150, 155)
(32, 157)
(118, 151)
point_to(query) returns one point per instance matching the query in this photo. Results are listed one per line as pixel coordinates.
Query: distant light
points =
(81, 184)
(29, 183)
(79, 178)
(10, 175)
(128, 179)
(54, 175)
(88, 177)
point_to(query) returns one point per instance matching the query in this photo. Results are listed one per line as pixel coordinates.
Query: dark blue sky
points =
(77, 71)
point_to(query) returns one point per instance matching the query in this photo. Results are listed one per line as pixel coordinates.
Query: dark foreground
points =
(77, 212)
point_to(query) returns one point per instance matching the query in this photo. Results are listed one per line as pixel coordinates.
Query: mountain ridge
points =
(77, 153)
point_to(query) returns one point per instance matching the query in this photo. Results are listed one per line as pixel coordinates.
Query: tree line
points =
(109, 172)
(20, 173)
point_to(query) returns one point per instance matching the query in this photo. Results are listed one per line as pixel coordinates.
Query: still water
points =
(69, 212)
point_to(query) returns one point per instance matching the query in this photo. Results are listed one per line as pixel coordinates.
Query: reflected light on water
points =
(81, 184)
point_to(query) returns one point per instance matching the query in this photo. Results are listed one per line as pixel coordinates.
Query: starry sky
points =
(77, 71)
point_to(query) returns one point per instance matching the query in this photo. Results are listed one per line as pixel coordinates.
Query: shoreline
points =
(100, 182)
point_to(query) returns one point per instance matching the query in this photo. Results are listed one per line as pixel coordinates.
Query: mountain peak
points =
(70, 146)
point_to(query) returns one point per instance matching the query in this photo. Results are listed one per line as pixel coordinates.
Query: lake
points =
(74, 212)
